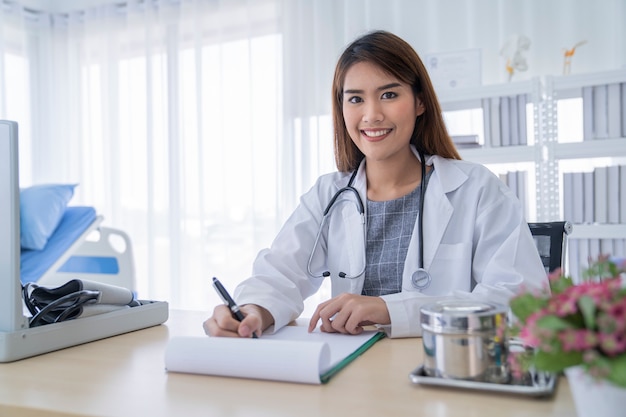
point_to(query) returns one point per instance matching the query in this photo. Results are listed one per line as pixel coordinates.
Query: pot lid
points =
(462, 316)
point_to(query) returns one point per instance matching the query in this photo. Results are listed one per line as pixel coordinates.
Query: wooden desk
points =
(125, 376)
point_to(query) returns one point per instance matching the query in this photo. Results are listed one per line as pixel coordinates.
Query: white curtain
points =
(168, 115)
(194, 125)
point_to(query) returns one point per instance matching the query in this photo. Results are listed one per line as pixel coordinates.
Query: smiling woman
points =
(394, 153)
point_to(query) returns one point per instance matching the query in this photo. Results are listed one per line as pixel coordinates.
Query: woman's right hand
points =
(223, 324)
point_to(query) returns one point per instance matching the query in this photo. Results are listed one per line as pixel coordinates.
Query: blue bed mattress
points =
(75, 221)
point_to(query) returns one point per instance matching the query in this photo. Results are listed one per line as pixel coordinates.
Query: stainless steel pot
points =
(464, 339)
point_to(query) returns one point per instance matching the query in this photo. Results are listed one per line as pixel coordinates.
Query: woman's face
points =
(379, 111)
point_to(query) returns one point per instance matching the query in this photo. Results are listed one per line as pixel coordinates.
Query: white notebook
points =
(292, 354)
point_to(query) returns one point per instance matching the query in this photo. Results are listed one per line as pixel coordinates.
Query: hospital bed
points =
(70, 253)
(81, 248)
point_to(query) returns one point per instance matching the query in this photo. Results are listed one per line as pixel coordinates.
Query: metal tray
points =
(532, 384)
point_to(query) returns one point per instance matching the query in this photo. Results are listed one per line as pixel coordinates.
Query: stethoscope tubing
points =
(326, 213)
(420, 279)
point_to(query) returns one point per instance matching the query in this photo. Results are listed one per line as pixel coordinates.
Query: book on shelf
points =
(606, 247)
(613, 194)
(466, 141)
(292, 354)
(517, 183)
(514, 121)
(522, 181)
(496, 139)
(505, 122)
(600, 112)
(600, 194)
(588, 127)
(622, 194)
(594, 250)
(568, 196)
(614, 111)
(573, 256)
(581, 263)
(578, 197)
(523, 131)
(619, 248)
(486, 106)
(623, 95)
(511, 181)
(588, 193)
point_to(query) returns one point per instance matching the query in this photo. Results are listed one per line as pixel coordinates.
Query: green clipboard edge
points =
(326, 376)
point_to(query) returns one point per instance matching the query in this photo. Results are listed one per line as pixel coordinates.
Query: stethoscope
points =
(421, 278)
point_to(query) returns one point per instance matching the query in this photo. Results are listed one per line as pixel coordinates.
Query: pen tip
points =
(214, 279)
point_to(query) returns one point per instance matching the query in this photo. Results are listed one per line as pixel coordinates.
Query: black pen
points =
(234, 308)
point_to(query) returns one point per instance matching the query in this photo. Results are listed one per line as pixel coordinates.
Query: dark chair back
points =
(551, 240)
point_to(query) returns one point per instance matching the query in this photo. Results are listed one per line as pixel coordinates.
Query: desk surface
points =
(125, 376)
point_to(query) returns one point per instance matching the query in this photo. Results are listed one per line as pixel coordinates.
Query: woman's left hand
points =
(348, 313)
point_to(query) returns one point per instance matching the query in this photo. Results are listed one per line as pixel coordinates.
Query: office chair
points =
(551, 241)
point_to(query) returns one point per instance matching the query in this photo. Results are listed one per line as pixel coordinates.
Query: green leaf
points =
(558, 361)
(588, 309)
(554, 323)
(560, 285)
(618, 371)
(526, 304)
(601, 269)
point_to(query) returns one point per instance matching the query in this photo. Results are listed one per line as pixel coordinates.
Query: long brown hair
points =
(397, 58)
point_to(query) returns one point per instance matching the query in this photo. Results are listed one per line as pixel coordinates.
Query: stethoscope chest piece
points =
(421, 279)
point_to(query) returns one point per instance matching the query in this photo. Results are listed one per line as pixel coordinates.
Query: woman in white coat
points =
(419, 207)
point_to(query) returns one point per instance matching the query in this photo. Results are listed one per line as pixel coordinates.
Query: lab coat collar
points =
(447, 177)
(450, 176)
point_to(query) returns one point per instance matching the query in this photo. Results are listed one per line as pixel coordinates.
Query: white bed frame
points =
(96, 241)
(17, 339)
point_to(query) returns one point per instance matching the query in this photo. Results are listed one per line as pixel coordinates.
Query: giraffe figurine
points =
(567, 57)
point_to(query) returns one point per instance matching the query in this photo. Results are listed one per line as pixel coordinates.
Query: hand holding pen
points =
(228, 300)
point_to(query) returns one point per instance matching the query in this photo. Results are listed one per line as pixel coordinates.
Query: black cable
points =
(77, 300)
(421, 213)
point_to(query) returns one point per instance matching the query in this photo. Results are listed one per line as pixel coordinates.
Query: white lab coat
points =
(476, 244)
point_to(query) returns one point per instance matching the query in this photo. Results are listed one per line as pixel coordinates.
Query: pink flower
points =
(563, 304)
(555, 275)
(599, 292)
(587, 318)
(613, 344)
(515, 365)
(612, 318)
(529, 334)
(590, 356)
(577, 339)
(618, 312)
(599, 370)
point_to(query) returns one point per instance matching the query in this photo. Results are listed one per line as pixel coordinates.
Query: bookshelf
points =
(598, 154)
(505, 118)
(575, 124)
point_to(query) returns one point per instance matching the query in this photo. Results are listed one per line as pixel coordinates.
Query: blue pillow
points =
(41, 210)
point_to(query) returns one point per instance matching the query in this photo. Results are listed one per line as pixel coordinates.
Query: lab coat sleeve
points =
(279, 280)
(504, 257)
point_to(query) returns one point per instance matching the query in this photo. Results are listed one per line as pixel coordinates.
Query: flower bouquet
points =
(575, 324)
